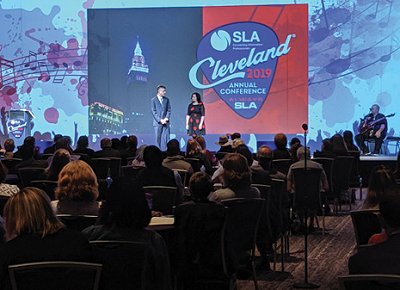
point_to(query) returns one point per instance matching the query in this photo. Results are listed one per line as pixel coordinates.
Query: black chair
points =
(162, 198)
(201, 254)
(341, 179)
(10, 164)
(62, 275)
(365, 224)
(77, 222)
(369, 281)
(28, 174)
(101, 167)
(185, 176)
(282, 165)
(47, 186)
(46, 156)
(130, 172)
(241, 230)
(355, 176)
(124, 264)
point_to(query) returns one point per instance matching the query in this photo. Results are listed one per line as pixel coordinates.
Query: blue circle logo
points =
(220, 40)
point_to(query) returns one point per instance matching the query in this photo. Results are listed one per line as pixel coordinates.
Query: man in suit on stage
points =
(161, 110)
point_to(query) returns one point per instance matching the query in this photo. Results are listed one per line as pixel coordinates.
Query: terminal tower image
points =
(139, 69)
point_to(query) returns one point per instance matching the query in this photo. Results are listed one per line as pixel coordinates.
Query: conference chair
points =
(28, 174)
(162, 198)
(77, 222)
(369, 281)
(47, 186)
(282, 165)
(366, 223)
(50, 275)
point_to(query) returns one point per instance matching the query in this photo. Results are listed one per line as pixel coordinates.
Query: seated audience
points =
(261, 170)
(237, 179)
(139, 161)
(193, 150)
(380, 180)
(60, 158)
(51, 149)
(28, 141)
(326, 149)
(281, 151)
(82, 146)
(294, 145)
(130, 150)
(35, 234)
(124, 217)
(384, 257)
(106, 150)
(225, 147)
(174, 159)
(200, 187)
(349, 141)
(5, 188)
(27, 152)
(77, 190)
(155, 173)
(338, 147)
(209, 156)
(9, 147)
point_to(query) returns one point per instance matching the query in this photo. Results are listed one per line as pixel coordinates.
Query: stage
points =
(368, 163)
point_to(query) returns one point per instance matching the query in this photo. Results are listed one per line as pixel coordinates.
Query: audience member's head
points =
(60, 158)
(301, 153)
(244, 150)
(192, 147)
(338, 144)
(57, 137)
(200, 186)
(77, 181)
(125, 206)
(201, 141)
(152, 157)
(236, 143)
(9, 145)
(29, 213)
(30, 140)
(236, 171)
(294, 142)
(380, 180)
(348, 137)
(27, 151)
(294, 145)
(115, 143)
(64, 143)
(264, 156)
(235, 135)
(132, 142)
(327, 145)
(124, 141)
(173, 148)
(280, 141)
(83, 142)
(105, 143)
(389, 208)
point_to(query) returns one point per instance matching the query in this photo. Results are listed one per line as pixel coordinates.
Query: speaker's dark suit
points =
(161, 111)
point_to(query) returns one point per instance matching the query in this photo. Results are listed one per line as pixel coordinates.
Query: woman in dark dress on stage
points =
(195, 117)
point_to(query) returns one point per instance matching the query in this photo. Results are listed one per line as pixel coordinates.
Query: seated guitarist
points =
(374, 126)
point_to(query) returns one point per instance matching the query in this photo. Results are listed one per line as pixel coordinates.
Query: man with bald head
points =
(106, 150)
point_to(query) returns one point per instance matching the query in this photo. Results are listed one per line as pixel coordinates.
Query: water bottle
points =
(109, 180)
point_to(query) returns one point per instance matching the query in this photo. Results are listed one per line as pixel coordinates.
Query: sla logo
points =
(221, 40)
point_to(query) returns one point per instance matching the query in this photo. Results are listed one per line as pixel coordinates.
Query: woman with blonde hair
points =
(77, 190)
(193, 150)
(35, 234)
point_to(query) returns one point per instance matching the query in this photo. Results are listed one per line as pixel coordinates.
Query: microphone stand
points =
(305, 284)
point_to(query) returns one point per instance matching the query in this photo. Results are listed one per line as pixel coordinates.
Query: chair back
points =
(27, 174)
(62, 275)
(77, 222)
(341, 173)
(280, 201)
(161, 198)
(10, 164)
(124, 264)
(369, 281)
(46, 156)
(101, 167)
(265, 227)
(327, 164)
(355, 169)
(47, 186)
(184, 174)
(200, 242)
(365, 224)
(130, 171)
(282, 165)
(242, 225)
(195, 162)
(307, 188)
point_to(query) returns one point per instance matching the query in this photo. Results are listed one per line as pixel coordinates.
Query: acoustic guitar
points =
(366, 126)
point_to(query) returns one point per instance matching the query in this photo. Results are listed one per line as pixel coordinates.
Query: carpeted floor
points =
(327, 259)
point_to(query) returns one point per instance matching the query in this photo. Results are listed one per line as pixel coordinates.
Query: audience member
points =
(124, 217)
(200, 187)
(82, 146)
(28, 141)
(237, 179)
(235, 135)
(209, 156)
(27, 152)
(174, 159)
(380, 180)
(193, 150)
(35, 234)
(338, 147)
(139, 161)
(51, 149)
(326, 149)
(349, 141)
(5, 188)
(9, 147)
(261, 170)
(384, 257)
(294, 145)
(281, 151)
(106, 150)
(77, 190)
(60, 158)
(130, 150)
(115, 144)
(225, 147)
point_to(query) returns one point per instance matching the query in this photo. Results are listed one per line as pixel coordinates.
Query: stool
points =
(395, 141)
